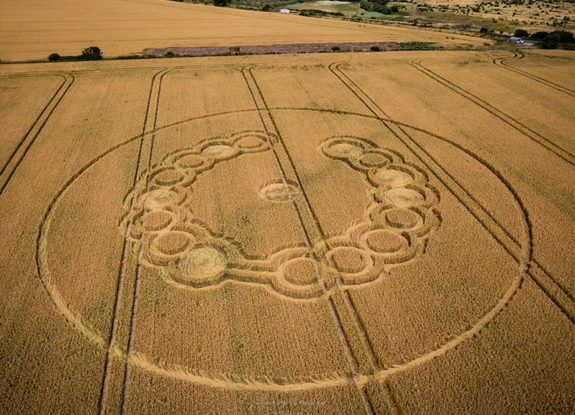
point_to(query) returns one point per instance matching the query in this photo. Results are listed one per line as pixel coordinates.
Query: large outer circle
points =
(94, 336)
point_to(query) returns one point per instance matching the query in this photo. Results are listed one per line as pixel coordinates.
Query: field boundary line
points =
(122, 269)
(34, 131)
(500, 62)
(352, 362)
(523, 129)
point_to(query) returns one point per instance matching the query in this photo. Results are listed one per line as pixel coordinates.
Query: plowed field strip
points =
(21, 150)
(523, 129)
(265, 113)
(522, 254)
(122, 270)
(500, 62)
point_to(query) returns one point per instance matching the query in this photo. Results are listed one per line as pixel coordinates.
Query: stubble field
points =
(320, 234)
(33, 29)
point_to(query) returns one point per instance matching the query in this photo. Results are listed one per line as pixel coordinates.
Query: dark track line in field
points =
(534, 260)
(567, 301)
(553, 291)
(397, 130)
(521, 128)
(127, 373)
(275, 154)
(500, 62)
(549, 286)
(33, 132)
(33, 123)
(331, 111)
(362, 332)
(352, 361)
(393, 406)
(122, 269)
(288, 155)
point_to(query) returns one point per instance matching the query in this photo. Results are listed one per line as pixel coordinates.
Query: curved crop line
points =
(114, 351)
(337, 112)
(243, 383)
(474, 331)
(27, 147)
(336, 379)
(500, 62)
(46, 279)
(180, 373)
(523, 260)
(511, 291)
(517, 198)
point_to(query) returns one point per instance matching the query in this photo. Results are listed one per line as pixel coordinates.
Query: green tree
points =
(551, 41)
(565, 37)
(54, 57)
(92, 53)
(220, 3)
(521, 33)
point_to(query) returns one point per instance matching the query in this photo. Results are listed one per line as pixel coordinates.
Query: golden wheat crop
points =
(34, 29)
(384, 233)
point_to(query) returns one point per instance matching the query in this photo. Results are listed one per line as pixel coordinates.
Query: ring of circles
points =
(394, 229)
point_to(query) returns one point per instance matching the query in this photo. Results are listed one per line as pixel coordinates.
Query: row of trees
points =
(548, 40)
(93, 53)
(378, 6)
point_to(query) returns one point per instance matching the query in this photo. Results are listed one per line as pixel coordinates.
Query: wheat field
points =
(321, 234)
(33, 29)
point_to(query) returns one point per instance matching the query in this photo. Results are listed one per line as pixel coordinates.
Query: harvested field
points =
(33, 29)
(315, 234)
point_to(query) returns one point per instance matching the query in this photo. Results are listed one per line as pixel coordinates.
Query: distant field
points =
(502, 16)
(360, 233)
(33, 29)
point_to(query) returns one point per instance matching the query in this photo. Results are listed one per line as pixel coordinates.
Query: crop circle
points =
(402, 218)
(156, 220)
(279, 192)
(203, 263)
(384, 242)
(219, 151)
(390, 177)
(403, 198)
(300, 271)
(172, 243)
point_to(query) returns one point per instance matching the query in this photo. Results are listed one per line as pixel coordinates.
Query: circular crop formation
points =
(187, 254)
(401, 215)
(160, 222)
(279, 192)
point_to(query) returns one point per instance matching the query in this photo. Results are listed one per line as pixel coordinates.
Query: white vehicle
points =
(284, 11)
(516, 40)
